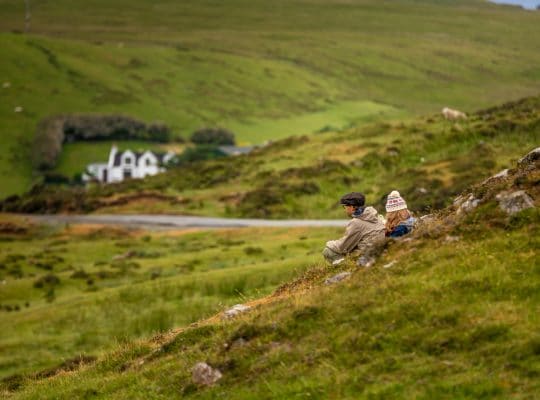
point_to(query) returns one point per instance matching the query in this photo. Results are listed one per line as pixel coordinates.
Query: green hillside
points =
(430, 160)
(449, 313)
(266, 70)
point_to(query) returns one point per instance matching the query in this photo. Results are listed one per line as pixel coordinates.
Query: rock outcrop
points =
(204, 375)
(337, 278)
(513, 202)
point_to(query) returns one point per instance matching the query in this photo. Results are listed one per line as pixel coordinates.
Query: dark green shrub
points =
(213, 136)
(199, 153)
(107, 127)
(15, 271)
(80, 274)
(44, 265)
(49, 280)
(53, 131)
(48, 141)
(253, 251)
(55, 178)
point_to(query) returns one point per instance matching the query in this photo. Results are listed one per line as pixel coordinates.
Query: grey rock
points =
(203, 374)
(466, 204)
(502, 174)
(337, 278)
(338, 261)
(530, 157)
(458, 201)
(235, 310)
(513, 202)
(427, 218)
(365, 261)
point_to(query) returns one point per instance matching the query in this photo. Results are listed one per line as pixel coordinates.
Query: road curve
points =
(179, 221)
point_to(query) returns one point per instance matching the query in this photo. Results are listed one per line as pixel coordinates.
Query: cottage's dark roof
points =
(138, 155)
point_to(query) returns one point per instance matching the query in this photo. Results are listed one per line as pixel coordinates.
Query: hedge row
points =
(53, 132)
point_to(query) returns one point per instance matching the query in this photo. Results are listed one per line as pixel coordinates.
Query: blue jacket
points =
(403, 228)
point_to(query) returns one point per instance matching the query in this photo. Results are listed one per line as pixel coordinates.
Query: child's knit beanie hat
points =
(394, 202)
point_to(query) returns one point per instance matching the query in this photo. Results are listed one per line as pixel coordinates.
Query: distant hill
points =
(265, 70)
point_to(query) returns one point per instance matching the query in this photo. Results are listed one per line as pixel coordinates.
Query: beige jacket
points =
(360, 233)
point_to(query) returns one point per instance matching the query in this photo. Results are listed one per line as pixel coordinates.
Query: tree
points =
(213, 136)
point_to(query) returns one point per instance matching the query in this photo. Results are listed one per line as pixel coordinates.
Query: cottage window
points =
(148, 162)
(127, 160)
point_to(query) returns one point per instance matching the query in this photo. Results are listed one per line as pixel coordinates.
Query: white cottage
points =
(127, 164)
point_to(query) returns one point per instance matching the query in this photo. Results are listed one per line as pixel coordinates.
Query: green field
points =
(171, 279)
(450, 313)
(266, 70)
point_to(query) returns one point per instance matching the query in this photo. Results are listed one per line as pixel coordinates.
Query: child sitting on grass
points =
(399, 220)
(363, 231)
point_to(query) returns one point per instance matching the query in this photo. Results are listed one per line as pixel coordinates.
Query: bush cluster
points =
(118, 127)
(53, 132)
(48, 142)
(213, 136)
(198, 153)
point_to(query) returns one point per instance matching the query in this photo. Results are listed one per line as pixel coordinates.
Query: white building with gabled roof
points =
(127, 164)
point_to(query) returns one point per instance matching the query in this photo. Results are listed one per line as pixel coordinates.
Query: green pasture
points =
(266, 70)
(336, 117)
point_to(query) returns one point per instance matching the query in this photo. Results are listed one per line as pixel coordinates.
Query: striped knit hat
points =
(394, 202)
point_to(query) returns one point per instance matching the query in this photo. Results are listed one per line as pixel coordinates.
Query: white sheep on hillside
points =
(453, 115)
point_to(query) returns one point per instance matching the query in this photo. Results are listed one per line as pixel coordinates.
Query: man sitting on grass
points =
(363, 231)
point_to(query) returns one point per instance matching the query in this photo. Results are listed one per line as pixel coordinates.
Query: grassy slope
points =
(246, 64)
(174, 280)
(452, 319)
(428, 160)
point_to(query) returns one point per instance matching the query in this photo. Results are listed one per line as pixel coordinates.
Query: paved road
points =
(179, 222)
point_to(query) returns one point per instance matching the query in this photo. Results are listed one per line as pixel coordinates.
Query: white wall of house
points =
(96, 171)
(128, 166)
